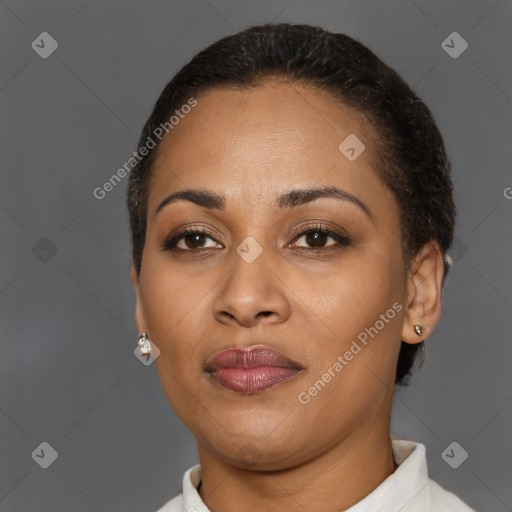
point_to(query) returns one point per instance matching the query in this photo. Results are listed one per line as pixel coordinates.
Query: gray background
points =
(68, 375)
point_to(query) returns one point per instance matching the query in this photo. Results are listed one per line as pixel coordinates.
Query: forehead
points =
(258, 141)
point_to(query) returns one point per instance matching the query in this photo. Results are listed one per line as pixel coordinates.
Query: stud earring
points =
(144, 345)
(421, 329)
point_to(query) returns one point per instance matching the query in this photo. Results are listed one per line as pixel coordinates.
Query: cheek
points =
(360, 311)
(356, 294)
(175, 312)
(173, 308)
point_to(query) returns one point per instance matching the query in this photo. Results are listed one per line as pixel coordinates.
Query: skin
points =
(251, 146)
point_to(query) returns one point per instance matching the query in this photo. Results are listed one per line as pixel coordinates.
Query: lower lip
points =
(249, 381)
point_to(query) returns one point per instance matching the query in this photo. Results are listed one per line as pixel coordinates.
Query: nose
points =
(251, 293)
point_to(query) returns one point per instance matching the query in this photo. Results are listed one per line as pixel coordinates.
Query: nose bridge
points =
(250, 263)
(250, 288)
(250, 250)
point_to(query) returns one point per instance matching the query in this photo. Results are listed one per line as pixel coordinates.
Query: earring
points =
(420, 329)
(144, 345)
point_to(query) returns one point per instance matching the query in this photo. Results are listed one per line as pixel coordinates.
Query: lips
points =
(252, 370)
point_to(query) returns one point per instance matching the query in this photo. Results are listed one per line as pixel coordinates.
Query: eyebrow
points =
(297, 197)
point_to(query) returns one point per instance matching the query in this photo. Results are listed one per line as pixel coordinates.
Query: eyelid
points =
(319, 225)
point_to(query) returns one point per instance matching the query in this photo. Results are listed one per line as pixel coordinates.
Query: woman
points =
(290, 216)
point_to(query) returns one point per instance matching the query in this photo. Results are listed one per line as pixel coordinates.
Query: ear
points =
(139, 317)
(424, 288)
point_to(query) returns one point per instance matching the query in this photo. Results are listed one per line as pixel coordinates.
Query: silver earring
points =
(144, 345)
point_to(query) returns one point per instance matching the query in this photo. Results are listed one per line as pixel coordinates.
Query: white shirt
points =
(408, 489)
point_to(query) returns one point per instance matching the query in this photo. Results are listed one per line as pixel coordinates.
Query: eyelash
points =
(169, 245)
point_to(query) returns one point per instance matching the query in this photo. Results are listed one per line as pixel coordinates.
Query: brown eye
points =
(317, 237)
(192, 239)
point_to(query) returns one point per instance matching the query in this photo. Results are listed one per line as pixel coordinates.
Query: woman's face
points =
(254, 279)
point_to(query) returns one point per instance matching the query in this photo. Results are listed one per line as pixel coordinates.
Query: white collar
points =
(408, 489)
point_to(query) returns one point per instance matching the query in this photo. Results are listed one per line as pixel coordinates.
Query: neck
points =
(335, 480)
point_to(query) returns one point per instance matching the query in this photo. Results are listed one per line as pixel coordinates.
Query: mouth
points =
(251, 370)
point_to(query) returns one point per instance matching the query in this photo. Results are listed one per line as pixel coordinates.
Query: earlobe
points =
(424, 289)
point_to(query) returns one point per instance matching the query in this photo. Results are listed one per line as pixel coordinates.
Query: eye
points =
(192, 238)
(317, 236)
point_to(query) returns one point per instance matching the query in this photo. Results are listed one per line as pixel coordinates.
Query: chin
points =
(256, 450)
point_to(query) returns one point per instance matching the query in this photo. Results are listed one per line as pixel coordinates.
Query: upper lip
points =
(251, 357)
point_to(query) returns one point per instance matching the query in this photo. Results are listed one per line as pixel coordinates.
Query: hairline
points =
(365, 123)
